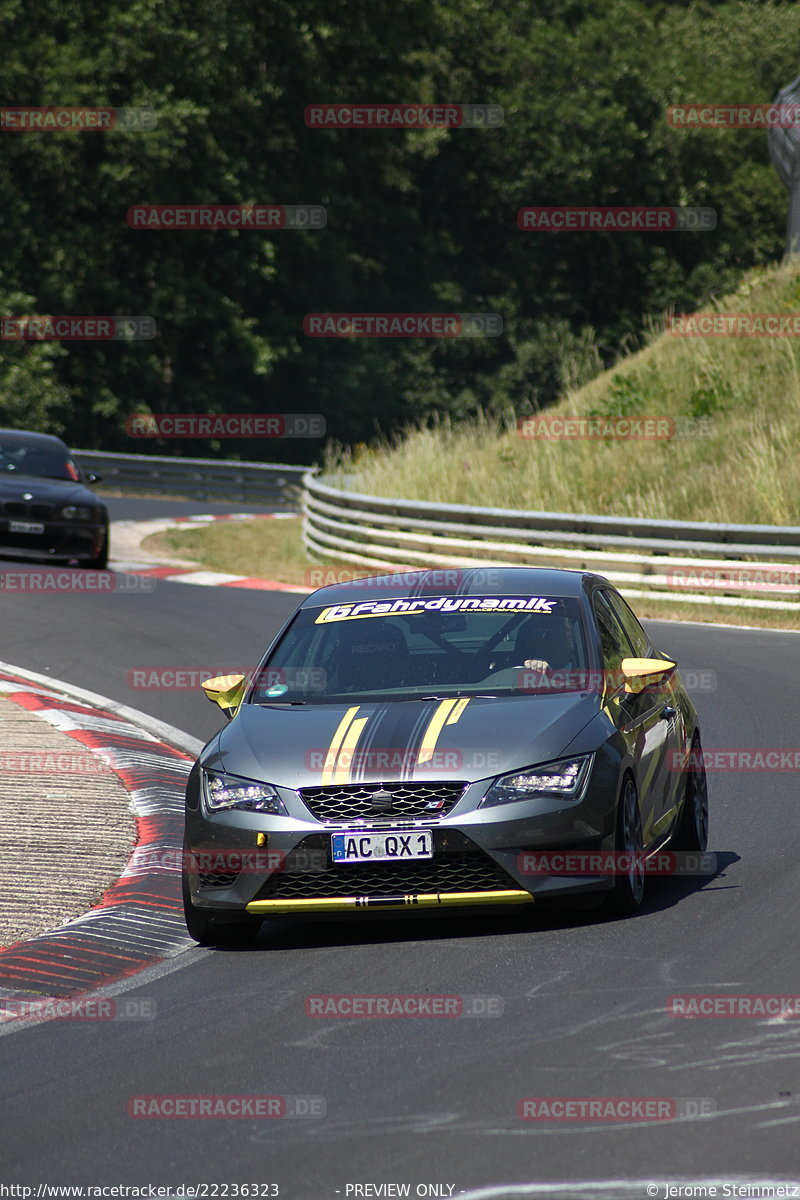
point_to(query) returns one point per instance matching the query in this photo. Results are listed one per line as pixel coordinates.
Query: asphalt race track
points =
(135, 508)
(431, 1101)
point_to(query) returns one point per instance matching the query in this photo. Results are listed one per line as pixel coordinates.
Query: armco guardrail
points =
(669, 560)
(274, 484)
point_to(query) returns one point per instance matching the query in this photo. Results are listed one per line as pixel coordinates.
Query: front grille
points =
(411, 798)
(457, 866)
(219, 879)
(30, 512)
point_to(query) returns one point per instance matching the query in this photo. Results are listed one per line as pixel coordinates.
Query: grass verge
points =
(731, 457)
(264, 549)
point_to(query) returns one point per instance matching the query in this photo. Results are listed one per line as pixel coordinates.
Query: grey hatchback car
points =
(407, 744)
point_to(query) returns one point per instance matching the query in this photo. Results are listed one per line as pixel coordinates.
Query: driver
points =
(555, 645)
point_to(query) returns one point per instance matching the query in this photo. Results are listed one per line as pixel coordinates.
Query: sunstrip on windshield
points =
(443, 604)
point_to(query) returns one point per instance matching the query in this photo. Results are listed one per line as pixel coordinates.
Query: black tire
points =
(211, 929)
(628, 894)
(692, 829)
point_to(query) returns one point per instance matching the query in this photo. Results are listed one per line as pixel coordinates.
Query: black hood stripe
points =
(393, 728)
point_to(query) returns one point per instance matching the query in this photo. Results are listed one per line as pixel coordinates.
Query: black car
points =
(46, 508)
(404, 748)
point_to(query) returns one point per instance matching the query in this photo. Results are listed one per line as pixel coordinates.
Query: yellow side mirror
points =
(225, 690)
(640, 673)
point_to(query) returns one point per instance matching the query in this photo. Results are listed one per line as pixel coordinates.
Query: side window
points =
(636, 635)
(613, 640)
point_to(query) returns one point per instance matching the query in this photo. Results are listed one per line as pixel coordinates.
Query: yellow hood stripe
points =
(342, 773)
(340, 755)
(457, 711)
(447, 713)
(336, 742)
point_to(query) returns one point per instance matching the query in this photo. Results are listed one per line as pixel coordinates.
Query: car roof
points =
(458, 581)
(26, 437)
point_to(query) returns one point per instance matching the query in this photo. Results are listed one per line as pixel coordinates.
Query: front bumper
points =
(479, 855)
(60, 540)
(273, 908)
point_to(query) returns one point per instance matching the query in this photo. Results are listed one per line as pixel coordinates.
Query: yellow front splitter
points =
(265, 908)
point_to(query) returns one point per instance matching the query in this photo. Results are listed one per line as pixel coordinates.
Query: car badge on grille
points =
(381, 801)
(27, 495)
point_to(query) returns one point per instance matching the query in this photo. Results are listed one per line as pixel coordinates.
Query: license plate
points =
(25, 527)
(381, 847)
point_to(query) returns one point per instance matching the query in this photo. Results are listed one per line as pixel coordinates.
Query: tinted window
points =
(636, 635)
(28, 458)
(614, 643)
(407, 648)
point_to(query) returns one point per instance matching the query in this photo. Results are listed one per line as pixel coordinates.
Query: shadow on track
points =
(304, 933)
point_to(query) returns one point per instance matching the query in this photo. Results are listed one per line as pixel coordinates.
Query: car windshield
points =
(19, 457)
(412, 649)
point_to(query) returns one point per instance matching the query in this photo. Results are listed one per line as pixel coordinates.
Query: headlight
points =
(563, 778)
(228, 791)
(71, 513)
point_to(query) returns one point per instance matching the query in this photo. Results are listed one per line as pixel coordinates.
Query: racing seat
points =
(369, 654)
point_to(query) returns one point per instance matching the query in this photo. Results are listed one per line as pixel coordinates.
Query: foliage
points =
(419, 220)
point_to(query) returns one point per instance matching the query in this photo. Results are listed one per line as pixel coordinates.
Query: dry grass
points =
(734, 457)
(714, 614)
(264, 549)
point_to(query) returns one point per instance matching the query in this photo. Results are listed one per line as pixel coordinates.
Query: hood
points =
(466, 740)
(45, 491)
